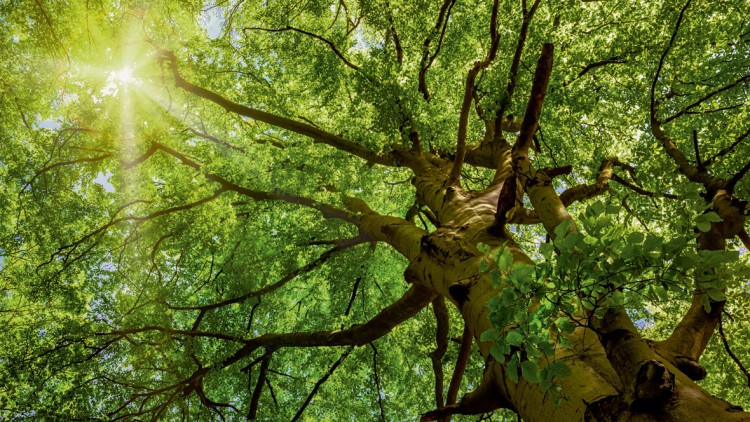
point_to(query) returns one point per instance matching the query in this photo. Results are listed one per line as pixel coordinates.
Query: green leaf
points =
(562, 229)
(717, 295)
(514, 338)
(484, 266)
(612, 209)
(635, 238)
(505, 259)
(530, 371)
(512, 367)
(703, 226)
(559, 369)
(547, 250)
(489, 334)
(522, 274)
(498, 351)
(564, 325)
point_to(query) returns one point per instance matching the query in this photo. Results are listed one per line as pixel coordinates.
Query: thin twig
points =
(377, 380)
(320, 383)
(731, 354)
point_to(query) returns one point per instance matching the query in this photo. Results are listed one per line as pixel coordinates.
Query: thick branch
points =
(441, 346)
(415, 299)
(528, 15)
(536, 99)
(269, 288)
(463, 118)
(281, 122)
(581, 192)
(458, 373)
(327, 210)
(259, 386)
(692, 172)
(690, 337)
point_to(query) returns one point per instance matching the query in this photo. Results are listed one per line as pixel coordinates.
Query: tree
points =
(374, 210)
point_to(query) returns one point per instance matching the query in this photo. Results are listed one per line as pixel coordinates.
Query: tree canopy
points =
(374, 210)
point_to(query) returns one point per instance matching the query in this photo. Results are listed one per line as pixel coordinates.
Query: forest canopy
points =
(374, 210)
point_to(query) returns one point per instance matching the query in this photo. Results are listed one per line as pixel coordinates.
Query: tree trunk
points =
(616, 375)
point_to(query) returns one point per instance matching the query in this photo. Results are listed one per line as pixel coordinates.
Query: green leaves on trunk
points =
(606, 265)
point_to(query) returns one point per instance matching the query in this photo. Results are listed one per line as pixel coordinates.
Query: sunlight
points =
(124, 75)
(121, 78)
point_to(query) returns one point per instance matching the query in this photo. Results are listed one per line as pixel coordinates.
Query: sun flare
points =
(123, 76)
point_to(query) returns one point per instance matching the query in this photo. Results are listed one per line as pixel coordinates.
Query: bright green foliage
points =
(99, 235)
(605, 265)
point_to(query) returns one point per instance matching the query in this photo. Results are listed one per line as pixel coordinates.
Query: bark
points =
(616, 375)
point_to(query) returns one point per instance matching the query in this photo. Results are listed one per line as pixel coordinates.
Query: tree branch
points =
(731, 353)
(319, 383)
(639, 190)
(377, 380)
(728, 149)
(536, 99)
(528, 15)
(744, 238)
(415, 299)
(215, 140)
(458, 373)
(706, 97)
(441, 346)
(463, 118)
(731, 183)
(693, 173)
(394, 34)
(310, 34)
(327, 210)
(262, 376)
(281, 122)
(83, 160)
(427, 59)
(581, 192)
(269, 288)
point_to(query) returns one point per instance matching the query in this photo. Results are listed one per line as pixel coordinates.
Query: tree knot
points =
(460, 291)
(690, 367)
(654, 386)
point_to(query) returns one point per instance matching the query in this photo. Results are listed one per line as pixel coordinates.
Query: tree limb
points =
(427, 59)
(458, 373)
(528, 15)
(693, 173)
(731, 353)
(377, 380)
(304, 129)
(441, 346)
(312, 35)
(463, 118)
(536, 99)
(320, 383)
(262, 376)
